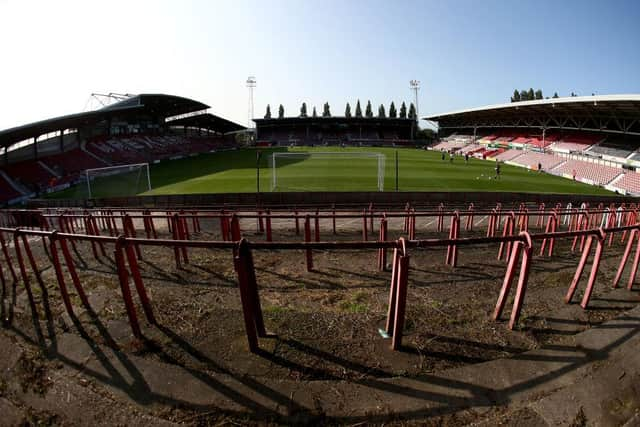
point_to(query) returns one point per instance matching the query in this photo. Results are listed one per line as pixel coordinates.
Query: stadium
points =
(343, 255)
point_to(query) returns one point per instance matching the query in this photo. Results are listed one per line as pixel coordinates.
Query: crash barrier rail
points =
(127, 251)
(114, 221)
(179, 223)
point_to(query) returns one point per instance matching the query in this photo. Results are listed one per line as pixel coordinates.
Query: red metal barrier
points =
(469, 224)
(398, 295)
(594, 269)
(540, 218)
(398, 291)
(260, 222)
(581, 223)
(53, 239)
(365, 236)
(526, 248)
(611, 222)
(130, 231)
(23, 272)
(523, 220)
(7, 258)
(307, 238)
(269, 229)
(631, 219)
(196, 222)
(452, 249)
(251, 309)
(406, 218)
(63, 223)
(633, 237)
(333, 218)
(508, 230)
(225, 227)
(59, 275)
(89, 230)
(552, 227)
(236, 232)
(137, 281)
(440, 217)
(412, 224)
(180, 253)
(123, 277)
(149, 227)
(382, 252)
(316, 226)
(491, 227)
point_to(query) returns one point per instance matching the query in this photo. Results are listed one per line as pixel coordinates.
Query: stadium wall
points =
(328, 198)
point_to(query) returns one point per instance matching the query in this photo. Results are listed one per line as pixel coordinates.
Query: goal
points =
(118, 181)
(327, 171)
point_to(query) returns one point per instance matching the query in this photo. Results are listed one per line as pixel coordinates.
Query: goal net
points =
(118, 181)
(327, 171)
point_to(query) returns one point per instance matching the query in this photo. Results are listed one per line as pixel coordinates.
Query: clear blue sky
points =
(466, 53)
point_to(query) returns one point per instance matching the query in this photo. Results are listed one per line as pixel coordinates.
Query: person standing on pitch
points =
(497, 169)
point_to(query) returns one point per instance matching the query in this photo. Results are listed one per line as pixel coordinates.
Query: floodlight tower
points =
(251, 84)
(414, 85)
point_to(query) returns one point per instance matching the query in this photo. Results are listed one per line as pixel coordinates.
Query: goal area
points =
(118, 181)
(327, 171)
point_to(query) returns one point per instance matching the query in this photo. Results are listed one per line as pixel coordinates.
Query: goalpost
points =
(120, 180)
(327, 171)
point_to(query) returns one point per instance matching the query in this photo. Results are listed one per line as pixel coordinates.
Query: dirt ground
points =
(326, 323)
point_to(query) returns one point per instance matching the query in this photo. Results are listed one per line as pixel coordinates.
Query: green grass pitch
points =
(419, 170)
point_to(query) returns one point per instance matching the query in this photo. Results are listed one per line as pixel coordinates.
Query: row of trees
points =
(326, 111)
(530, 95)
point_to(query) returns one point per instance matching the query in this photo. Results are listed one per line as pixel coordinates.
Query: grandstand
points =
(532, 159)
(52, 154)
(595, 139)
(356, 131)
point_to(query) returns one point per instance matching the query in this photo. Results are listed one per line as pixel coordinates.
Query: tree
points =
(368, 112)
(267, 115)
(358, 109)
(303, 110)
(425, 134)
(281, 112)
(539, 94)
(347, 111)
(524, 95)
(381, 112)
(531, 95)
(315, 113)
(403, 111)
(412, 111)
(555, 95)
(392, 111)
(516, 96)
(325, 110)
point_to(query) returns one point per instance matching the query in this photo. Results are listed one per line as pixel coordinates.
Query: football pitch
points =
(418, 170)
